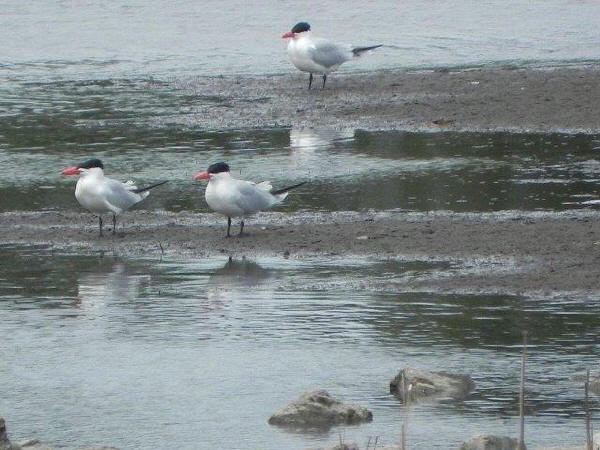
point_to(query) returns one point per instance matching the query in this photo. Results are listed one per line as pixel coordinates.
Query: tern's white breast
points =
(221, 198)
(89, 194)
(299, 53)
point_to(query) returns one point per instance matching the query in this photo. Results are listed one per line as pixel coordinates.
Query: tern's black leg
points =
(114, 224)
(100, 223)
(310, 81)
(324, 80)
(228, 226)
(241, 228)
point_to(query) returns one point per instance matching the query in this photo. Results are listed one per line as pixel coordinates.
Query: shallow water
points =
(146, 353)
(346, 170)
(137, 38)
(113, 81)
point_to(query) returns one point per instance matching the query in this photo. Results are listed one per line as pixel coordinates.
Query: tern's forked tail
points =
(357, 51)
(147, 188)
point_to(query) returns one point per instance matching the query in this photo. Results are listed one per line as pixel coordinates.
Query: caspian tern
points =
(317, 55)
(103, 195)
(238, 198)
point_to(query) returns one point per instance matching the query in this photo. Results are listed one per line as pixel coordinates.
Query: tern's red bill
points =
(71, 171)
(202, 176)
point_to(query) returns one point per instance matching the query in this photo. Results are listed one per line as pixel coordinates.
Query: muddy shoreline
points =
(542, 252)
(562, 99)
(508, 252)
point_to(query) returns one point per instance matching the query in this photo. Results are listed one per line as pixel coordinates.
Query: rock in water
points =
(317, 409)
(490, 442)
(350, 446)
(102, 447)
(31, 444)
(419, 384)
(4, 442)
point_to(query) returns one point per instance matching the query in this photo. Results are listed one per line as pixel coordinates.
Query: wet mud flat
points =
(509, 252)
(501, 98)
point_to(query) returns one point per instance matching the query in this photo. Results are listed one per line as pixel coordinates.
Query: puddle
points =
(205, 351)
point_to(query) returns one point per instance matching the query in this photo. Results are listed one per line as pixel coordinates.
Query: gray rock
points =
(344, 446)
(317, 409)
(102, 447)
(490, 442)
(421, 384)
(31, 444)
(355, 446)
(4, 441)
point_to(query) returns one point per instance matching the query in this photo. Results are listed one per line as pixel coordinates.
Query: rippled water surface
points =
(346, 170)
(113, 81)
(138, 38)
(150, 353)
(147, 353)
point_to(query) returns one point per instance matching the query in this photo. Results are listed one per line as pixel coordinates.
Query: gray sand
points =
(541, 100)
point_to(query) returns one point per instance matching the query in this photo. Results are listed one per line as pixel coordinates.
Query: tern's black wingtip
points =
(289, 188)
(358, 50)
(152, 186)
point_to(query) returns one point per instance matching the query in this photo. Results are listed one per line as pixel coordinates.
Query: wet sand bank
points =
(508, 252)
(501, 98)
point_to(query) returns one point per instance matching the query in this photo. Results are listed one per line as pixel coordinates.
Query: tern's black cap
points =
(95, 162)
(218, 167)
(301, 27)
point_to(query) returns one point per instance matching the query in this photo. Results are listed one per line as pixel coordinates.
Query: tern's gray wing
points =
(118, 196)
(329, 54)
(250, 198)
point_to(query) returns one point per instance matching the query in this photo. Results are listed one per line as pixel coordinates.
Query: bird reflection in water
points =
(106, 285)
(308, 146)
(302, 139)
(236, 276)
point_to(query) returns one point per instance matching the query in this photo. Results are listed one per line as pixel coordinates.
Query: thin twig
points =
(521, 445)
(588, 429)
